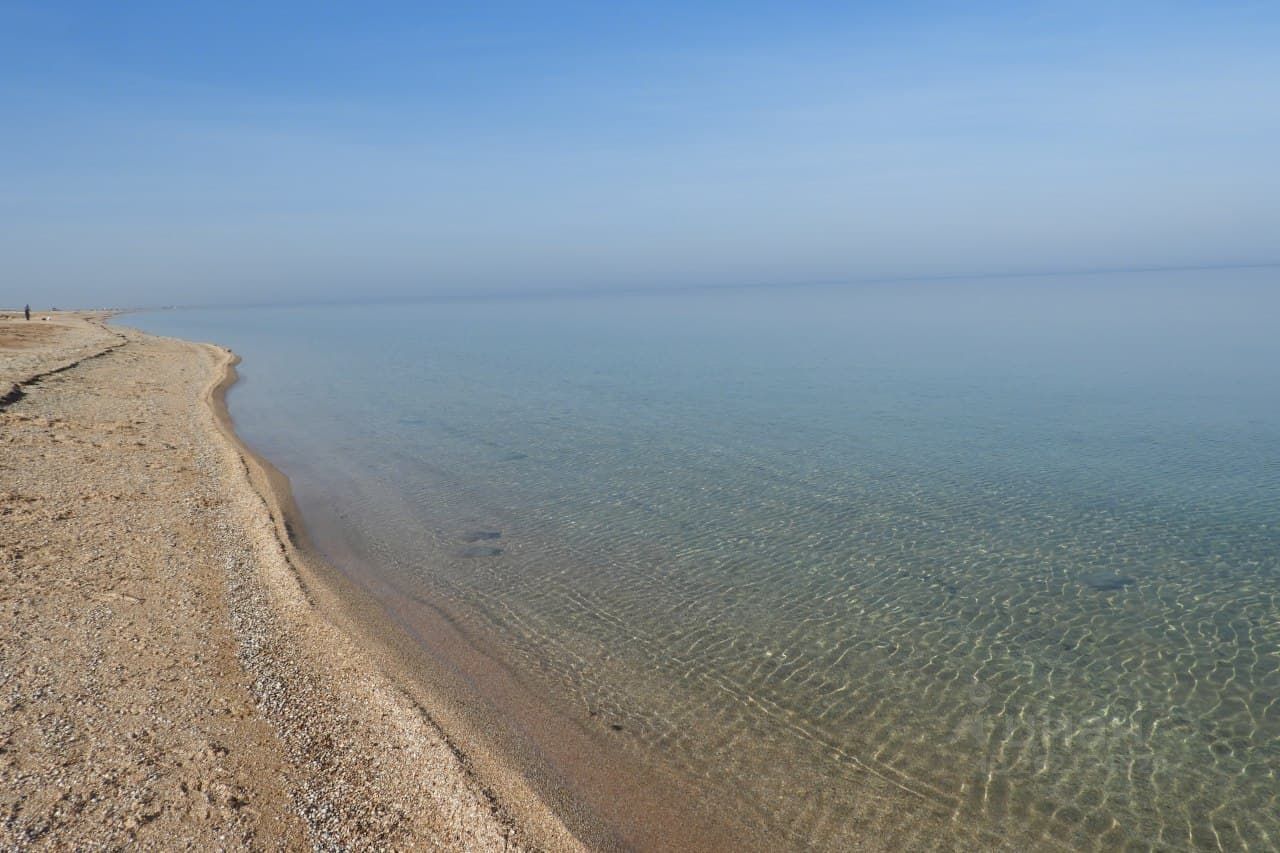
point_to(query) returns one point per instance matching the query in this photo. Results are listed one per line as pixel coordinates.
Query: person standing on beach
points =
(27, 310)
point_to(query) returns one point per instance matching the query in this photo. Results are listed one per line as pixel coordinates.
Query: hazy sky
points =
(163, 152)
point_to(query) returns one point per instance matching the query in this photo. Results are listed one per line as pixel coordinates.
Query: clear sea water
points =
(952, 564)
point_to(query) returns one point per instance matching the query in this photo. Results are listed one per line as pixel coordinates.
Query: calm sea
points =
(945, 564)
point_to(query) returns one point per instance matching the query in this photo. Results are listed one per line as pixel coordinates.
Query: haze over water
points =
(934, 564)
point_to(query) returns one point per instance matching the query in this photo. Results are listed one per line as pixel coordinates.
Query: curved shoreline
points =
(334, 597)
(538, 764)
(177, 669)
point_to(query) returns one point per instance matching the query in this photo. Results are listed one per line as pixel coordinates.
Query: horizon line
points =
(459, 295)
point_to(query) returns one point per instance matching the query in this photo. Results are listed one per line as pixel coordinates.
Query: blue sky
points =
(164, 152)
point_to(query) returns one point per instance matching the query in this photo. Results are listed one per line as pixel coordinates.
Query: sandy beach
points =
(172, 672)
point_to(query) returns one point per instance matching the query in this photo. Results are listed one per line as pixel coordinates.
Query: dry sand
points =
(170, 673)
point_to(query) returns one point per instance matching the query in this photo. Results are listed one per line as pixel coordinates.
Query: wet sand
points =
(175, 669)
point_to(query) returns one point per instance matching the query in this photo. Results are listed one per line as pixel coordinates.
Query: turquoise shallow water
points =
(944, 564)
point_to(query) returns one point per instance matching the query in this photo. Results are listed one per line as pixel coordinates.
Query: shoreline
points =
(335, 595)
(535, 759)
(218, 694)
